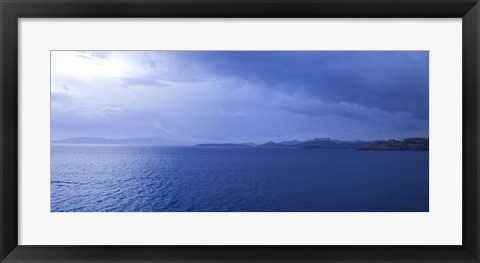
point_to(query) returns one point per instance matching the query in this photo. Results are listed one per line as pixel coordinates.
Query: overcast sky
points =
(235, 96)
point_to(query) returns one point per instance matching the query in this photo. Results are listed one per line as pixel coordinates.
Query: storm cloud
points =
(240, 96)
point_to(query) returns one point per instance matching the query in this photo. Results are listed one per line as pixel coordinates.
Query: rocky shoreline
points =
(409, 144)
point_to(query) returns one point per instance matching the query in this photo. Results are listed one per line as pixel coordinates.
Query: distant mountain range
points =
(137, 140)
(408, 144)
(226, 145)
(325, 143)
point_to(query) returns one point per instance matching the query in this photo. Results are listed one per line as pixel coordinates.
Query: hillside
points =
(409, 144)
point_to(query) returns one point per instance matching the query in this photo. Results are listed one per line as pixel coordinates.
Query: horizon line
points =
(179, 143)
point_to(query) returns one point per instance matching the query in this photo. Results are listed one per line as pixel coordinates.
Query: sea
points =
(128, 178)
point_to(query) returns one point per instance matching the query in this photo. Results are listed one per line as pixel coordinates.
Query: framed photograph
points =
(237, 131)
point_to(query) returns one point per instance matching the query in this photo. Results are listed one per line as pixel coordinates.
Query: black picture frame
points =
(12, 10)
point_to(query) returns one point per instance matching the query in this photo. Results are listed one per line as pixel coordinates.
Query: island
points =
(224, 145)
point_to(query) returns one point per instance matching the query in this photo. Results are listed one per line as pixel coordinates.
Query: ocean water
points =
(104, 178)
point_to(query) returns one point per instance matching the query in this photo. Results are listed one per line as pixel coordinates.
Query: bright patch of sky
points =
(239, 96)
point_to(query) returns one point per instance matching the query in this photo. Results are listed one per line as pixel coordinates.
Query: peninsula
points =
(409, 144)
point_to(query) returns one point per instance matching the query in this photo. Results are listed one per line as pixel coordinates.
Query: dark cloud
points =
(393, 81)
(239, 96)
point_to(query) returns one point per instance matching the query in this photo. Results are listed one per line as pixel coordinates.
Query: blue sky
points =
(239, 96)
